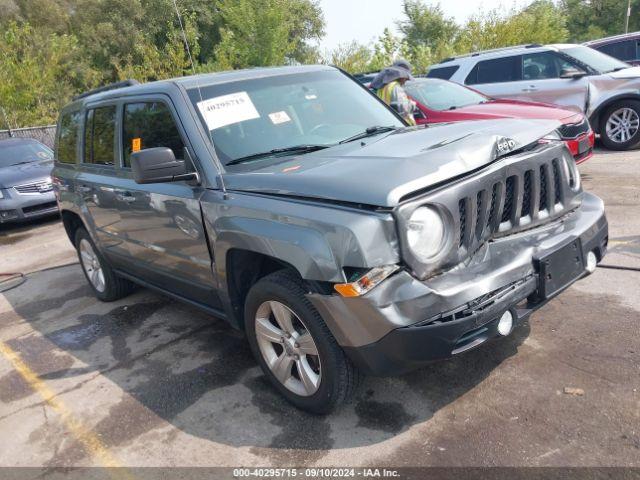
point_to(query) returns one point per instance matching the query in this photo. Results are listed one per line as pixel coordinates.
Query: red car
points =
(441, 101)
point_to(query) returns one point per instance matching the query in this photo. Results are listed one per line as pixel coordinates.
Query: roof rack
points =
(112, 86)
(622, 36)
(493, 50)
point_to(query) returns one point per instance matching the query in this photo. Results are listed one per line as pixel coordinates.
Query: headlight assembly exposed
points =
(426, 233)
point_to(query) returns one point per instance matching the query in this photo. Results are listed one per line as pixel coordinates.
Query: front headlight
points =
(425, 233)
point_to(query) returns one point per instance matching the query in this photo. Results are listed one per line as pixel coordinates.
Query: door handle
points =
(531, 88)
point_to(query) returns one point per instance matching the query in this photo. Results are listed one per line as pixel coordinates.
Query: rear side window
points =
(99, 136)
(497, 70)
(444, 73)
(68, 137)
(149, 125)
(621, 50)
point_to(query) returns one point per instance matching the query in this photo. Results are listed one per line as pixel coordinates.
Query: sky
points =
(364, 20)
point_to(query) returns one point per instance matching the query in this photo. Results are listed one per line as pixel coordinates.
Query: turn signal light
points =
(366, 282)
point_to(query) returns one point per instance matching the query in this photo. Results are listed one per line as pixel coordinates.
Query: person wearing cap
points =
(389, 86)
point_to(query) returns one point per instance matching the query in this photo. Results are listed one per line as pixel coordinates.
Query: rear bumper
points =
(403, 323)
(15, 207)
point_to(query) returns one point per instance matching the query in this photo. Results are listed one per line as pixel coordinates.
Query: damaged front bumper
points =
(404, 323)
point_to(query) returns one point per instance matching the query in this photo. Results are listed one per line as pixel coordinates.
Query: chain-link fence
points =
(44, 134)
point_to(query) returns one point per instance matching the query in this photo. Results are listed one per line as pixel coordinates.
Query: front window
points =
(319, 108)
(442, 95)
(23, 152)
(594, 59)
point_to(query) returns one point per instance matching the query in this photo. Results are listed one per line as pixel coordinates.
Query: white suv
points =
(572, 76)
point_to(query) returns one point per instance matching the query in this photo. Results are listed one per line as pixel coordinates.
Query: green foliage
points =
(266, 32)
(39, 73)
(541, 22)
(591, 19)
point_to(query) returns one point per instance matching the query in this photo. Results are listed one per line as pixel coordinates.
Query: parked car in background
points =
(580, 78)
(299, 207)
(623, 47)
(25, 180)
(443, 101)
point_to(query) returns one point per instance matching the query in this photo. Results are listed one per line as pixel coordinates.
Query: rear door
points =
(498, 77)
(162, 222)
(97, 173)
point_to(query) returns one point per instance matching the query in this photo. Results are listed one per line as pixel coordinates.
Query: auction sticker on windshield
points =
(227, 109)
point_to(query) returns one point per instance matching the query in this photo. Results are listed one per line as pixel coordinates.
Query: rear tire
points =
(106, 285)
(620, 125)
(313, 374)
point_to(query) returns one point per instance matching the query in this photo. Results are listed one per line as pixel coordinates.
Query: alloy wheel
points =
(91, 265)
(288, 348)
(622, 125)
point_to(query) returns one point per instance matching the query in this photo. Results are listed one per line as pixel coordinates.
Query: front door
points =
(163, 225)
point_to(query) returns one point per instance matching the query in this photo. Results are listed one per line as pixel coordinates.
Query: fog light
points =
(505, 324)
(592, 261)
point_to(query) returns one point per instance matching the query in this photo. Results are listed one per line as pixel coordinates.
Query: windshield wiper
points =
(276, 151)
(370, 131)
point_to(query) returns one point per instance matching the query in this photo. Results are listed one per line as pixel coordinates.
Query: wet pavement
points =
(148, 381)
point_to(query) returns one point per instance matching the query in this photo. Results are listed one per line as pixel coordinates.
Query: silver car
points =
(25, 180)
(573, 76)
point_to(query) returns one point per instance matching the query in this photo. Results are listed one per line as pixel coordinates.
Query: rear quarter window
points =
(445, 73)
(67, 139)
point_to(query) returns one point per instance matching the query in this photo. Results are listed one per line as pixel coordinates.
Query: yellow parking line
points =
(83, 434)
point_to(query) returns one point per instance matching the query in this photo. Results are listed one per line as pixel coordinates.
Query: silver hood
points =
(382, 170)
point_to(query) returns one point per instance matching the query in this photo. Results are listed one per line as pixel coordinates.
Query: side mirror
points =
(158, 165)
(572, 73)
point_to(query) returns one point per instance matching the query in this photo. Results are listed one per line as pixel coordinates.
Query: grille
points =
(39, 208)
(574, 130)
(34, 188)
(515, 194)
(543, 189)
(508, 200)
(526, 194)
(556, 180)
(462, 211)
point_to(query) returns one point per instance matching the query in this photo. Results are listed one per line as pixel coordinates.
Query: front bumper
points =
(15, 207)
(405, 323)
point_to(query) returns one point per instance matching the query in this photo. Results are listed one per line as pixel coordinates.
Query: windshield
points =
(23, 152)
(318, 109)
(443, 95)
(598, 61)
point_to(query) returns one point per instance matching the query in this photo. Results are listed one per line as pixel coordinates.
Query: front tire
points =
(620, 125)
(106, 285)
(295, 348)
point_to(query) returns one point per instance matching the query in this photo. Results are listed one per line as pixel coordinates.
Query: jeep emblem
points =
(505, 145)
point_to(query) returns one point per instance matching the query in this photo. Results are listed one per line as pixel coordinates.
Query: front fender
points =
(317, 239)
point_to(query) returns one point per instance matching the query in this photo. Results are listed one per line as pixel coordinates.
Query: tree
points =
(39, 73)
(428, 34)
(541, 22)
(352, 57)
(592, 19)
(266, 32)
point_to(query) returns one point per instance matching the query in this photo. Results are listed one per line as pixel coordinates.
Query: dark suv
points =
(623, 47)
(295, 204)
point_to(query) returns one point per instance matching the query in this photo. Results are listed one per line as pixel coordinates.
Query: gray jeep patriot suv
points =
(295, 204)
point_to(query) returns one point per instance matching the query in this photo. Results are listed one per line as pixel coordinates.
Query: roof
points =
(200, 80)
(613, 38)
(500, 52)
